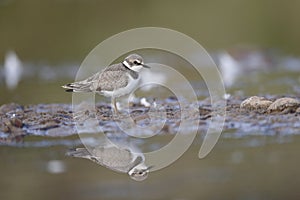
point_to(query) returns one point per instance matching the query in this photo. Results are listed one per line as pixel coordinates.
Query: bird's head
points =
(134, 62)
(139, 172)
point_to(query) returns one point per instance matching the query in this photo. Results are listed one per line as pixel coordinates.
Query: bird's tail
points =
(78, 87)
(79, 153)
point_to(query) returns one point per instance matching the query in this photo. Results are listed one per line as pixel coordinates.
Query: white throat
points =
(126, 64)
(136, 68)
(139, 167)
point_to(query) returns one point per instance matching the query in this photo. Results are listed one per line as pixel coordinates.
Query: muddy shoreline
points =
(242, 118)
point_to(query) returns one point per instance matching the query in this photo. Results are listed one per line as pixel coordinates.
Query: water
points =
(236, 169)
(243, 165)
(52, 38)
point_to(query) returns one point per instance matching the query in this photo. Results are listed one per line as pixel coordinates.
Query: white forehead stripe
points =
(126, 63)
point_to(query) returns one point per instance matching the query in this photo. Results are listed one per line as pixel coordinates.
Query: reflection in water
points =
(120, 159)
(234, 170)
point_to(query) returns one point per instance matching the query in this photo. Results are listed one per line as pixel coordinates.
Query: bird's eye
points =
(136, 62)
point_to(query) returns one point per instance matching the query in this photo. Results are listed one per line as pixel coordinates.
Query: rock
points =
(45, 124)
(16, 122)
(205, 113)
(284, 105)
(5, 125)
(5, 108)
(256, 103)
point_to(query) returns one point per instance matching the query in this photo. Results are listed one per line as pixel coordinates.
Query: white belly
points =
(132, 84)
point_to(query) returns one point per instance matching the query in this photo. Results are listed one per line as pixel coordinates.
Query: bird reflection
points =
(119, 159)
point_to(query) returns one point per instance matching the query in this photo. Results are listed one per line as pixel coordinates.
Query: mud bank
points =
(244, 116)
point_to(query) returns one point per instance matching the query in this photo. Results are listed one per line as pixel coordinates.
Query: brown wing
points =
(114, 76)
(86, 85)
(114, 158)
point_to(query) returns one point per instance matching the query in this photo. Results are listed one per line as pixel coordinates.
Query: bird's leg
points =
(113, 100)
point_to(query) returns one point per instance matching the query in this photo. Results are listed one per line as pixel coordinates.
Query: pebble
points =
(256, 103)
(284, 105)
(16, 122)
(9, 107)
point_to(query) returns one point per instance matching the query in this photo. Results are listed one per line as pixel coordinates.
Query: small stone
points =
(284, 105)
(7, 126)
(204, 111)
(16, 122)
(4, 128)
(5, 108)
(256, 103)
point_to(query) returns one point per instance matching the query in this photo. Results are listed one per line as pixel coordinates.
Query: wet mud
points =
(254, 115)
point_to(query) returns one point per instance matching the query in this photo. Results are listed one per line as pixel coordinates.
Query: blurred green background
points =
(66, 30)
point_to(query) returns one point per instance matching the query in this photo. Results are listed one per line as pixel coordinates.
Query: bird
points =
(13, 70)
(114, 81)
(119, 159)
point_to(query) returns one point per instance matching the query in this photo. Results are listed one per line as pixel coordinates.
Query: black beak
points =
(150, 167)
(146, 66)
